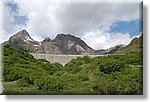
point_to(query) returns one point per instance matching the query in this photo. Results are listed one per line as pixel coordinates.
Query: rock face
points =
(22, 41)
(65, 44)
(69, 44)
(46, 40)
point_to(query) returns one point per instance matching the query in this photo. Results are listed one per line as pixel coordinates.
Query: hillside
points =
(107, 75)
(136, 45)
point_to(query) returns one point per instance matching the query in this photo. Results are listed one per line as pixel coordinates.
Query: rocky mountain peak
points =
(72, 45)
(46, 40)
(23, 41)
(68, 38)
(24, 35)
(65, 37)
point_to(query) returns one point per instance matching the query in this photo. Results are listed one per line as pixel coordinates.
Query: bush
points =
(111, 66)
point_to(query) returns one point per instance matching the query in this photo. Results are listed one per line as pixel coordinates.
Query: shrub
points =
(111, 66)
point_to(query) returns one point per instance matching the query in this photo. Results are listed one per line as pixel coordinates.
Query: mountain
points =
(65, 44)
(136, 45)
(22, 41)
(109, 51)
(62, 44)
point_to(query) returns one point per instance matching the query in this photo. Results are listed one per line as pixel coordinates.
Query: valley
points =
(62, 67)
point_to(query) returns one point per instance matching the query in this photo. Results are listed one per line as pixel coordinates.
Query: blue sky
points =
(131, 27)
(18, 20)
(13, 6)
(119, 22)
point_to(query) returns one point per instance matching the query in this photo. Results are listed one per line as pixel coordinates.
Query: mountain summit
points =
(23, 35)
(65, 44)
(22, 41)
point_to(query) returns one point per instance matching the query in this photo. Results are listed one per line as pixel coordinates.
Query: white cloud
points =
(88, 20)
(104, 40)
(7, 27)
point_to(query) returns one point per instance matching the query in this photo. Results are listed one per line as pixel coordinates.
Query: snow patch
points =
(25, 41)
(35, 49)
(40, 43)
(36, 45)
(28, 38)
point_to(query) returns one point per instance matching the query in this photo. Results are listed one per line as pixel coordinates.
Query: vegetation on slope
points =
(136, 45)
(107, 75)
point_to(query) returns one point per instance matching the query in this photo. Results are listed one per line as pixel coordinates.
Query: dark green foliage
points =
(111, 66)
(105, 75)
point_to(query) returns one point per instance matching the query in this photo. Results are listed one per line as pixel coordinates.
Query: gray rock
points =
(23, 41)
